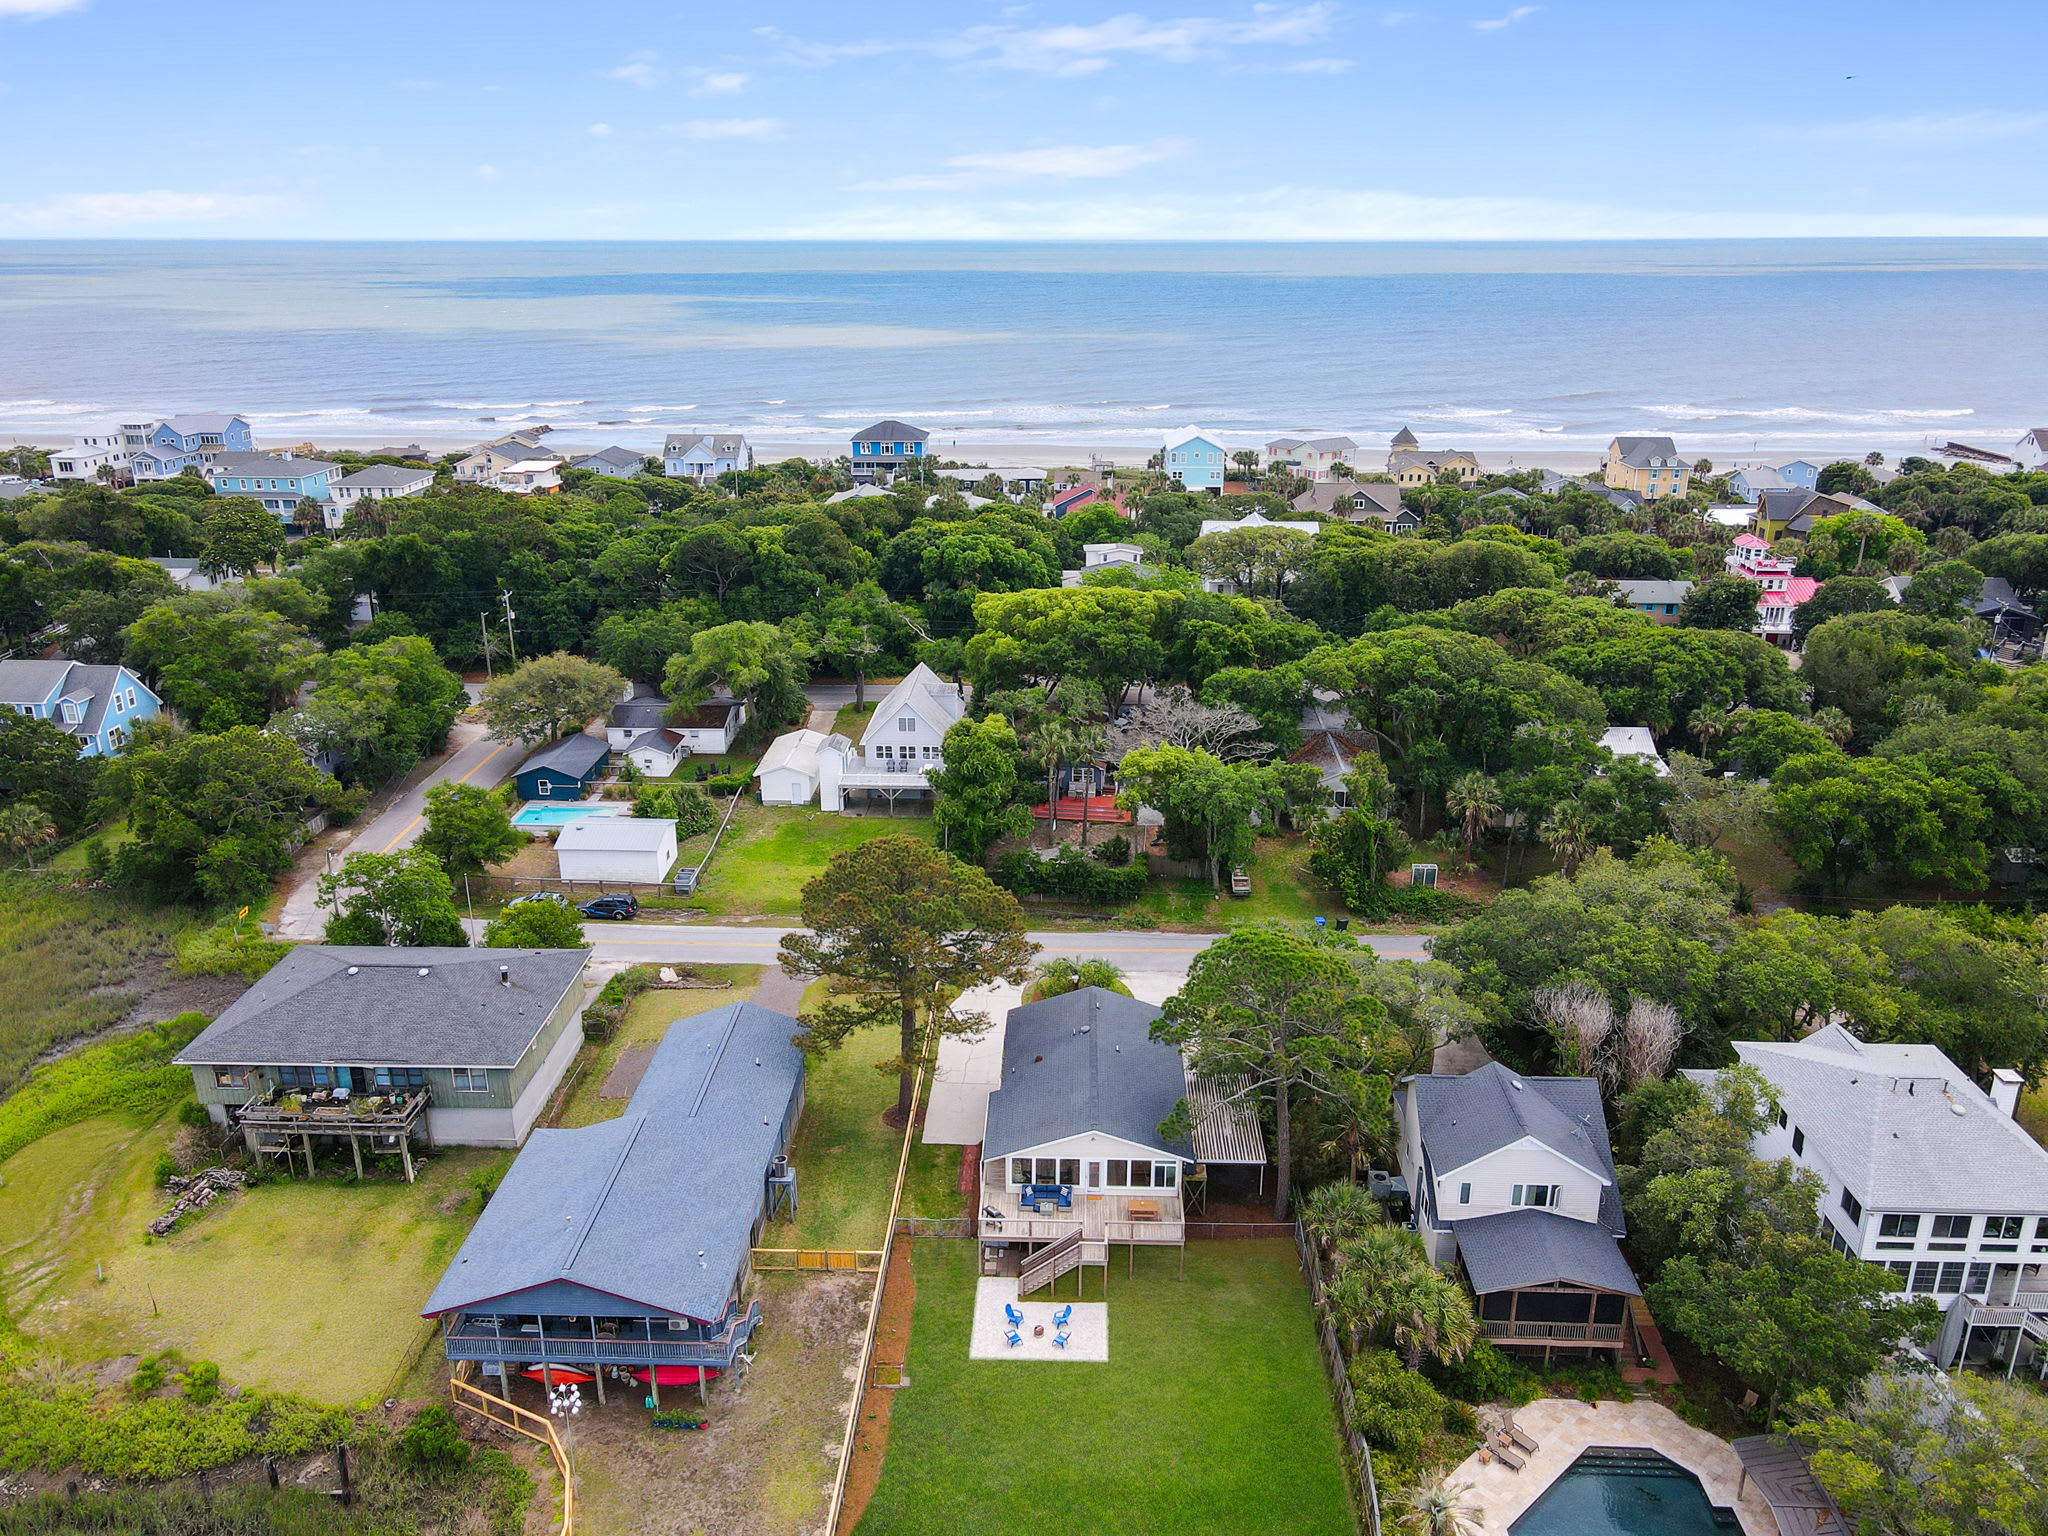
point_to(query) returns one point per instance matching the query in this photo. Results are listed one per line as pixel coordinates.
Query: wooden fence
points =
(522, 1421)
(1359, 1458)
(865, 1261)
(935, 1226)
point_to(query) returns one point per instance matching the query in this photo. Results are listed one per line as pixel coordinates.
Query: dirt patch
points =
(627, 1071)
(892, 1354)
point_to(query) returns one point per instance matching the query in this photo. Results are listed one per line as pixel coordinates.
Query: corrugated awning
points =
(1226, 1121)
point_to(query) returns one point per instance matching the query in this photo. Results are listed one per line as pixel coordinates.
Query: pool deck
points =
(1563, 1427)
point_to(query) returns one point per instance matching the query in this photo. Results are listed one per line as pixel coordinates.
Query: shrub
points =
(201, 1381)
(193, 1113)
(150, 1374)
(431, 1441)
(1071, 876)
(728, 783)
(166, 1169)
(536, 925)
(693, 811)
(1115, 852)
(1484, 1375)
(1393, 1407)
(234, 947)
(128, 1072)
(602, 1018)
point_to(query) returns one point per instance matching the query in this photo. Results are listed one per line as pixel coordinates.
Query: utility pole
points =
(511, 644)
(483, 625)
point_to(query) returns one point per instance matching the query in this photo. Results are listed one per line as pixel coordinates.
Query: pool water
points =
(1625, 1493)
(539, 815)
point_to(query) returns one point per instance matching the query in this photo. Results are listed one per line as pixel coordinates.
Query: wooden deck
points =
(1101, 1219)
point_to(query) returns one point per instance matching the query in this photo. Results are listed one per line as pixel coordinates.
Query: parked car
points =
(616, 907)
(555, 896)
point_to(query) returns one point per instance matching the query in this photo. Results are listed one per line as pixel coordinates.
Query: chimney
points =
(504, 975)
(2005, 1090)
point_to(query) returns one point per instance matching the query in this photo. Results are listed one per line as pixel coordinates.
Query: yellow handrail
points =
(514, 1418)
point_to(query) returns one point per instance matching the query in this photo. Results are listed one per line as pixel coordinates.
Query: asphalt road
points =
(646, 940)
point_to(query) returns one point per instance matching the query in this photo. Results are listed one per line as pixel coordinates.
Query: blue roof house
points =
(158, 450)
(279, 483)
(101, 706)
(628, 1243)
(1196, 460)
(562, 770)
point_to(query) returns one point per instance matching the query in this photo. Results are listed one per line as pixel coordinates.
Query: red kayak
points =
(557, 1375)
(675, 1375)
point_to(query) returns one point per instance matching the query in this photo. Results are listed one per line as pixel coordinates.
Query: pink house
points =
(1751, 559)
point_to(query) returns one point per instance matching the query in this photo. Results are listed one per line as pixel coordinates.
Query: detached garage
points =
(638, 849)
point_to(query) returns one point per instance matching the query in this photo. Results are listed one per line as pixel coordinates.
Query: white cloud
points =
(1059, 162)
(729, 128)
(720, 83)
(487, 173)
(638, 70)
(1934, 128)
(34, 9)
(1325, 213)
(114, 210)
(1519, 13)
(1086, 50)
(599, 130)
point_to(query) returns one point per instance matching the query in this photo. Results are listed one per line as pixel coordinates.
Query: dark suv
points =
(619, 907)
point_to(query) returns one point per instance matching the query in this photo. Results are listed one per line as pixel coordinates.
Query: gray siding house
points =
(380, 1045)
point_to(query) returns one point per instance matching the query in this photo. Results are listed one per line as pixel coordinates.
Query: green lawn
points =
(1282, 890)
(1210, 1418)
(845, 1156)
(66, 960)
(647, 1020)
(771, 851)
(312, 1288)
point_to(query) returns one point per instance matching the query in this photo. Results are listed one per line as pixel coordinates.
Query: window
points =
(1949, 1232)
(2041, 1235)
(231, 1077)
(1534, 1194)
(1980, 1280)
(471, 1080)
(1464, 1194)
(1924, 1276)
(1020, 1170)
(1852, 1207)
(1165, 1175)
(1119, 1171)
(905, 724)
(1902, 1275)
(1798, 1141)
(2005, 1229)
(1070, 1170)
(1951, 1279)
(1901, 1227)
(305, 1077)
(543, 786)
(400, 1077)
(1047, 1171)
(1141, 1175)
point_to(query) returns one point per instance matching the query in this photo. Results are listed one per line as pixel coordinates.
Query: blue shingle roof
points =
(1084, 1061)
(657, 1207)
(573, 756)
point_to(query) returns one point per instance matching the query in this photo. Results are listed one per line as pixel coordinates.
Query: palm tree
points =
(1371, 1269)
(1431, 1315)
(1335, 1214)
(24, 827)
(1708, 724)
(1442, 1508)
(1474, 798)
(1568, 830)
(1834, 725)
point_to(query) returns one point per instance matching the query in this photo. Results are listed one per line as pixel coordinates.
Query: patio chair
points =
(1060, 1339)
(1063, 1317)
(1508, 1456)
(1012, 1337)
(1013, 1316)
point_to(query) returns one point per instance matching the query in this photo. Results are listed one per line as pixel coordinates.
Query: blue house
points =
(279, 483)
(885, 448)
(1195, 460)
(562, 770)
(101, 706)
(624, 1247)
(158, 450)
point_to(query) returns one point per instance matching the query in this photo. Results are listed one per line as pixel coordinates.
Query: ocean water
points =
(1731, 346)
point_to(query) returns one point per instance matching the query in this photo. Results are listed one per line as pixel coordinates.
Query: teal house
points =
(562, 770)
(1196, 460)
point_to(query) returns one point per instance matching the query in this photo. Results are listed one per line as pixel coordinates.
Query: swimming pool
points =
(1613, 1491)
(540, 814)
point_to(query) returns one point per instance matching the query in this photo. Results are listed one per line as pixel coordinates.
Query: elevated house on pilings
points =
(624, 1249)
(384, 1048)
(1074, 1159)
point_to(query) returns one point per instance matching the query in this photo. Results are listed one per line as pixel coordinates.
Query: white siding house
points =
(789, 769)
(901, 745)
(632, 848)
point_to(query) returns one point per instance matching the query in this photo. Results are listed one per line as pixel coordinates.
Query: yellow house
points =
(1408, 463)
(1649, 466)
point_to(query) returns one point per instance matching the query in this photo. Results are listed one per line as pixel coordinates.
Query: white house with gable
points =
(1924, 1173)
(902, 744)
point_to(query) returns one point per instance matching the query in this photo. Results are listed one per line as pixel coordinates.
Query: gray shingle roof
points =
(1637, 452)
(1652, 589)
(1464, 1118)
(645, 713)
(384, 477)
(359, 1006)
(658, 1206)
(720, 445)
(606, 460)
(1514, 1249)
(30, 682)
(1884, 1119)
(266, 464)
(572, 755)
(1084, 1061)
(891, 431)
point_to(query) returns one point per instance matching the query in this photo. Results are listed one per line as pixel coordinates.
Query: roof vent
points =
(353, 969)
(423, 970)
(1515, 1085)
(1086, 1027)
(504, 975)
(1956, 1109)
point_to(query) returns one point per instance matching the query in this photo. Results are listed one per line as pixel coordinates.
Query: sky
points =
(1070, 120)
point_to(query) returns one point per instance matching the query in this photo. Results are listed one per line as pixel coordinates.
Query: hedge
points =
(1071, 876)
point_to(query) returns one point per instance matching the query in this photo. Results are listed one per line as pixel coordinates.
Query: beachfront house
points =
(1654, 596)
(514, 463)
(100, 705)
(1750, 558)
(1375, 504)
(1513, 1177)
(1925, 1174)
(1195, 460)
(376, 482)
(279, 482)
(2032, 450)
(1648, 466)
(1073, 1158)
(628, 1244)
(381, 1047)
(1313, 458)
(1410, 464)
(89, 455)
(614, 463)
(702, 457)
(638, 850)
(885, 449)
(564, 769)
(157, 450)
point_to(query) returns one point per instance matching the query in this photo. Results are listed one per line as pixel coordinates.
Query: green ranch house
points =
(387, 1046)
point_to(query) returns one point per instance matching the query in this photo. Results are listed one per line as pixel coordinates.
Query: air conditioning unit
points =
(678, 1324)
(1423, 876)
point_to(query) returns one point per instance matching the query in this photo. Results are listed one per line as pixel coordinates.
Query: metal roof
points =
(1084, 1061)
(1513, 1250)
(1226, 1122)
(328, 1005)
(657, 1207)
(573, 755)
(1463, 1118)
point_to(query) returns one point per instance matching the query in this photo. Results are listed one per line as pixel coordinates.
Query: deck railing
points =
(470, 1341)
(315, 1118)
(523, 1421)
(1553, 1333)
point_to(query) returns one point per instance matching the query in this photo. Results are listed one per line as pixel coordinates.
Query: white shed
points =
(657, 753)
(630, 848)
(789, 768)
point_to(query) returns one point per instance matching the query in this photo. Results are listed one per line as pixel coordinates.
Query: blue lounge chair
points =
(1012, 1337)
(1064, 1316)
(1060, 1339)
(1013, 1316)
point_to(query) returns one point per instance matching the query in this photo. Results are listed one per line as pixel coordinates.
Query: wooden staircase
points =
(1049, 1263)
